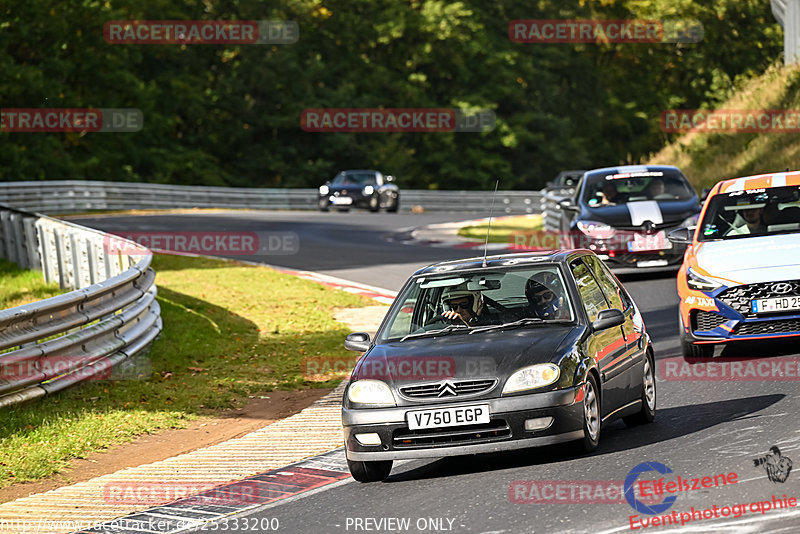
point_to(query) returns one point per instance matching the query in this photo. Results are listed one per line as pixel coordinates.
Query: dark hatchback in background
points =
(564, 183)
(367, 189)
(623, 214)
(552, 348)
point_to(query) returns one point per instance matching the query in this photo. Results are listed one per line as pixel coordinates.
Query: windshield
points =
(361, 178)
(612, 188)
(478, 300)
(742, 214)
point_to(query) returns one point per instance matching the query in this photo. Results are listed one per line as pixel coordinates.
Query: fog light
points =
(368, 439)
(538, 424)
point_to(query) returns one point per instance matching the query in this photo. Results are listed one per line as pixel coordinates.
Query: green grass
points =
(18, 286)
(231, 331)
(502, 228)
(708, 158)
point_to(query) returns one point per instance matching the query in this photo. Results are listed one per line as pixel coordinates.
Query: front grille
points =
(784, 326)
(461, 388)
(444, 437)
(739, 297)
(704, 320)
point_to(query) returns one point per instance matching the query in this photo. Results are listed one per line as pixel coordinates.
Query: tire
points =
(395, 205)
(648, 412)
(591, 415)
(374, 204)
(323, 204)
(370, 471)
(689, 349)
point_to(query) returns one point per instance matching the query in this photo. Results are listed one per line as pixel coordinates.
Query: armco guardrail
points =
(72, 196)
(552, 211)
(110, 316)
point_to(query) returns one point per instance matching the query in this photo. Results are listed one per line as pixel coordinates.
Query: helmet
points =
(455, 292)
(544, 309)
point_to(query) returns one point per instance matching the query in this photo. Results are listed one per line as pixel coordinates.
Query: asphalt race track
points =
(702, 428)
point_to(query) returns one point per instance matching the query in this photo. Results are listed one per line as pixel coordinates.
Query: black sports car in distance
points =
(624, 214)
(360, 189)
(474, 356)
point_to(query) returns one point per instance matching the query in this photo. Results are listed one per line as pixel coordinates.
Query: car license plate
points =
(652, 263)
(643, 242)
(342, 200)
(777, 304)
(462, 415)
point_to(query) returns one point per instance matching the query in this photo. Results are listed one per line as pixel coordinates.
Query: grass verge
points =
(707, 158)
(502, 228)
(18, 286)
(231, 331)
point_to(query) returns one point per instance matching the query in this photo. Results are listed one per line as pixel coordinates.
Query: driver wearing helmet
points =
(463, 305)
(545, 300)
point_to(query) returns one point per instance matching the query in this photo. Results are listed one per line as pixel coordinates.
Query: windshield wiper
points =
(522, 322)
(446, 330)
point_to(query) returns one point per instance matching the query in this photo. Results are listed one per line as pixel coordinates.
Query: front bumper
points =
(357, 200)
(505, 431)
(717, 322)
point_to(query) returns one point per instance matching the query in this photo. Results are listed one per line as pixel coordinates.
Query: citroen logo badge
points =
(447, 389)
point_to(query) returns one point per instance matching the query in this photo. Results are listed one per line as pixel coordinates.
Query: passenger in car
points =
(544, 299)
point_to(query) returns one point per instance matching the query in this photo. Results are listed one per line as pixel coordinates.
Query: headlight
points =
(596, 230)
(370, 392)
(700, 283)
(368, 190)
(534, 376)
(323, 190)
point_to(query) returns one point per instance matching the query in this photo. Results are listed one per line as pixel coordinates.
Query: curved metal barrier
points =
(110, 316)
(68, 196)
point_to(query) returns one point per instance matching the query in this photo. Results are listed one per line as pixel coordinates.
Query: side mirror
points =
(567, 204)
(704, 194)
(357, 341)
(389, 178)
(681, 236)
(608, 318)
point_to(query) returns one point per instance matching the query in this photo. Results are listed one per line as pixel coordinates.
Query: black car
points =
(360, 189)
(624, 214)
(564, 183)
(514, 351)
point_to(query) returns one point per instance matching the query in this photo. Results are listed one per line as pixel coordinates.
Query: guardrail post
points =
(45, 255)
(32, 246)
(77, 264)
(19, 244)
(60, 255)
(10, 248)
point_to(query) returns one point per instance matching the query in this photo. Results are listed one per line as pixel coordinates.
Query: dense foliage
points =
(230, 115)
